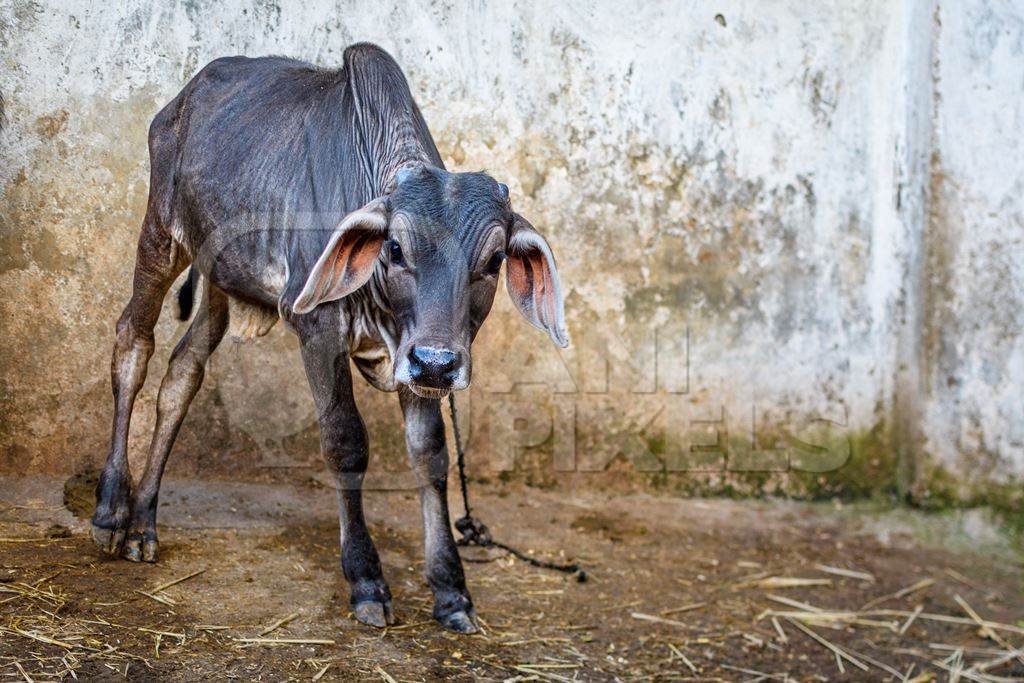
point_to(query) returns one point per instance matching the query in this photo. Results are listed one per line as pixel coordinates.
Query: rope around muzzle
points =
(475, 532)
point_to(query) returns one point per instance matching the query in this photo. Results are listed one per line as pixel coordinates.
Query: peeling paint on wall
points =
(735, 189)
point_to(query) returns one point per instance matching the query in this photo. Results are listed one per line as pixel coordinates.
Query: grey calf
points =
(318, 197)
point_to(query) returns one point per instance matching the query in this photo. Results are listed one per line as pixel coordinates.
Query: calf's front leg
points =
(345, 447)
(428, 456)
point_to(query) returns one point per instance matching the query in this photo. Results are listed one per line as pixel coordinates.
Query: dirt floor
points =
(678, 590)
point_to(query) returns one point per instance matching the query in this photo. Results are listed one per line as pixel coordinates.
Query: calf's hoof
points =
(460, 621)
(455, 611)
(138, 548)
(108, 540)
(113, 512)
(374, 613)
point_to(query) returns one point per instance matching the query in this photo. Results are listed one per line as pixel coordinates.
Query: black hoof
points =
(113, 510)
(454, 610)
(460, 621)
(377, 614)
(138, 549)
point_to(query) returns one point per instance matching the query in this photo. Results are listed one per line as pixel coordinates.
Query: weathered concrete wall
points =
(973, 346)
(768, 218)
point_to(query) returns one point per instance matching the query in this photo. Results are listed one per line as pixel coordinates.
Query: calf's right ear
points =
(348, 260)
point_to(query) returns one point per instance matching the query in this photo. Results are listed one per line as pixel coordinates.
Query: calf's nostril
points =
(431, 363)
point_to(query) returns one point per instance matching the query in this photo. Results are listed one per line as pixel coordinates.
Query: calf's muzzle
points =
(432, 367)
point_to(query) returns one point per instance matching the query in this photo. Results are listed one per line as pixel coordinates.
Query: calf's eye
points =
(395, 252)
(494, 265)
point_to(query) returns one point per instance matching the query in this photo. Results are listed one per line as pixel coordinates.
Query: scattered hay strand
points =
(384, 675)
(678, 653)
(24, 673)
(530, 641)
(533, 670)
(48, 578)
(553, 665)
(279, 623)
(31, 592)
(753, 672)
(684, 608)
(169, 634)
(957, 576)
(848, 573)
(787, 582)
(828, 619)
(778, 629)
(948, 619)
(957, 670)
(794, 603)
(901, 593)
(998, 661)
(162, 599)
(658, 620)
(320, 674)
(911, 619)
(811, 613)
(920, 585)
(285, 641)
(839, 652)
(881, 665)
(617, 607)
(41, 638)
(967, 650)
(534, 675)
(175, 582)
(986, 631)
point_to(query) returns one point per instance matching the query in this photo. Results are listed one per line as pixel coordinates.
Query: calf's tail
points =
(187, 294)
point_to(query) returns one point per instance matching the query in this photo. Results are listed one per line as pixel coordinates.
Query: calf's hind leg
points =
(155, 270)
(185, 372)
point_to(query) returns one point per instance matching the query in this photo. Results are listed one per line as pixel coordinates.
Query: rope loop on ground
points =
(475, 532)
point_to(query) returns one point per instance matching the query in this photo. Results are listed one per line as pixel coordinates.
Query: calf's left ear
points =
(532, 281)
(347, 261)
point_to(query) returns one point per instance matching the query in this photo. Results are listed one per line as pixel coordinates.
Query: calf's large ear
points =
(348, 260)
(532, 280)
